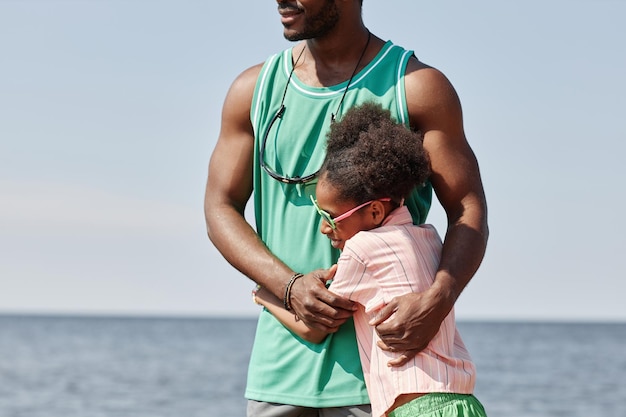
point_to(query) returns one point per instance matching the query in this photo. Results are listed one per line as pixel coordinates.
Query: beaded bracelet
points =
(254, 291)
(287, 297)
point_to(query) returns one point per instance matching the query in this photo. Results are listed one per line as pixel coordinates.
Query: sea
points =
(62, 366)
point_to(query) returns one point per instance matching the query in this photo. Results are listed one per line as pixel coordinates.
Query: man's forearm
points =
(463, 251)
(240, 245)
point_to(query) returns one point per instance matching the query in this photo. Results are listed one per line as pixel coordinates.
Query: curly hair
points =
(370, 156)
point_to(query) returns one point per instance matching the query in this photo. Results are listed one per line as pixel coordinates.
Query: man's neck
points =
(330, 61)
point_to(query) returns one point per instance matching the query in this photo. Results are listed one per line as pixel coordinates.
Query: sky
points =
(109, 112)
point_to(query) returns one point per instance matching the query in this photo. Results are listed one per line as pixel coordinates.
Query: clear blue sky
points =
(109, 111)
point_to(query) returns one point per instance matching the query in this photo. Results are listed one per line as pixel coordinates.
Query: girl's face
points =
(329, 200)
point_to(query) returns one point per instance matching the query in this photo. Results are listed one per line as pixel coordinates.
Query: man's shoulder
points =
(251, 74)
(419, 71)
(429, 95)
(246, 79)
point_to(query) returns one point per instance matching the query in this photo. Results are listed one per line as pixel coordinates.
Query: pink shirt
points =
(377, 265)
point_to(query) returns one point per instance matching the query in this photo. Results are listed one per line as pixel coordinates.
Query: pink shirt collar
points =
(399, 216)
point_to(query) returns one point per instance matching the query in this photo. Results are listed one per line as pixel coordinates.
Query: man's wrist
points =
(443, 291)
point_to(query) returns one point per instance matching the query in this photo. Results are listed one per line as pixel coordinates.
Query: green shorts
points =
(441, 405)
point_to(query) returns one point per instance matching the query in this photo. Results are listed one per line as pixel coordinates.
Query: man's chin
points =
(293, 36)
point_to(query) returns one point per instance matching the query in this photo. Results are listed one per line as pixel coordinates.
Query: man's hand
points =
(317, 307)
(409, 322)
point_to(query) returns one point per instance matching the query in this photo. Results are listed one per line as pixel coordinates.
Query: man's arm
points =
(435, 109)
(228, 189)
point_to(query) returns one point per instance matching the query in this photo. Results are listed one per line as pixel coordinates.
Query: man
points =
(274, 122)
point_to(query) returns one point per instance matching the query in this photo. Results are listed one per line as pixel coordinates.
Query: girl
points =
(371, 164)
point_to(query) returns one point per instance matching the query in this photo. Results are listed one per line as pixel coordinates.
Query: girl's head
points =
(369, 159)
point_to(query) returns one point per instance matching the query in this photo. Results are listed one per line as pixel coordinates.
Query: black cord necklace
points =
(295, 64)
(332, 115)
(281, 110)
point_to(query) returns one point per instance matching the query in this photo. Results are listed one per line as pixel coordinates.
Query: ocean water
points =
(152, 367)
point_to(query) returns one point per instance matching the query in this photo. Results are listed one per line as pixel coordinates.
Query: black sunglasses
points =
(272, 173)
(279, 114)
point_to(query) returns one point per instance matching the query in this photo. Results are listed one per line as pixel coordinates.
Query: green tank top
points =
(284, 368)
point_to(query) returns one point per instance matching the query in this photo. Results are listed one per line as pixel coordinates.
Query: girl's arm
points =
(275, 306)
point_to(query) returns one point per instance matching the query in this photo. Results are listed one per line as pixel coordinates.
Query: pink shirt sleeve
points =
(354, 281)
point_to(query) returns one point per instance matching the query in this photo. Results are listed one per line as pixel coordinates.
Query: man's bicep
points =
(230, 171)
(231, 164)
(435, 110)
(455, 175)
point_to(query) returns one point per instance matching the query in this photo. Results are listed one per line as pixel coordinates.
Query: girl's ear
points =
(378, 213)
